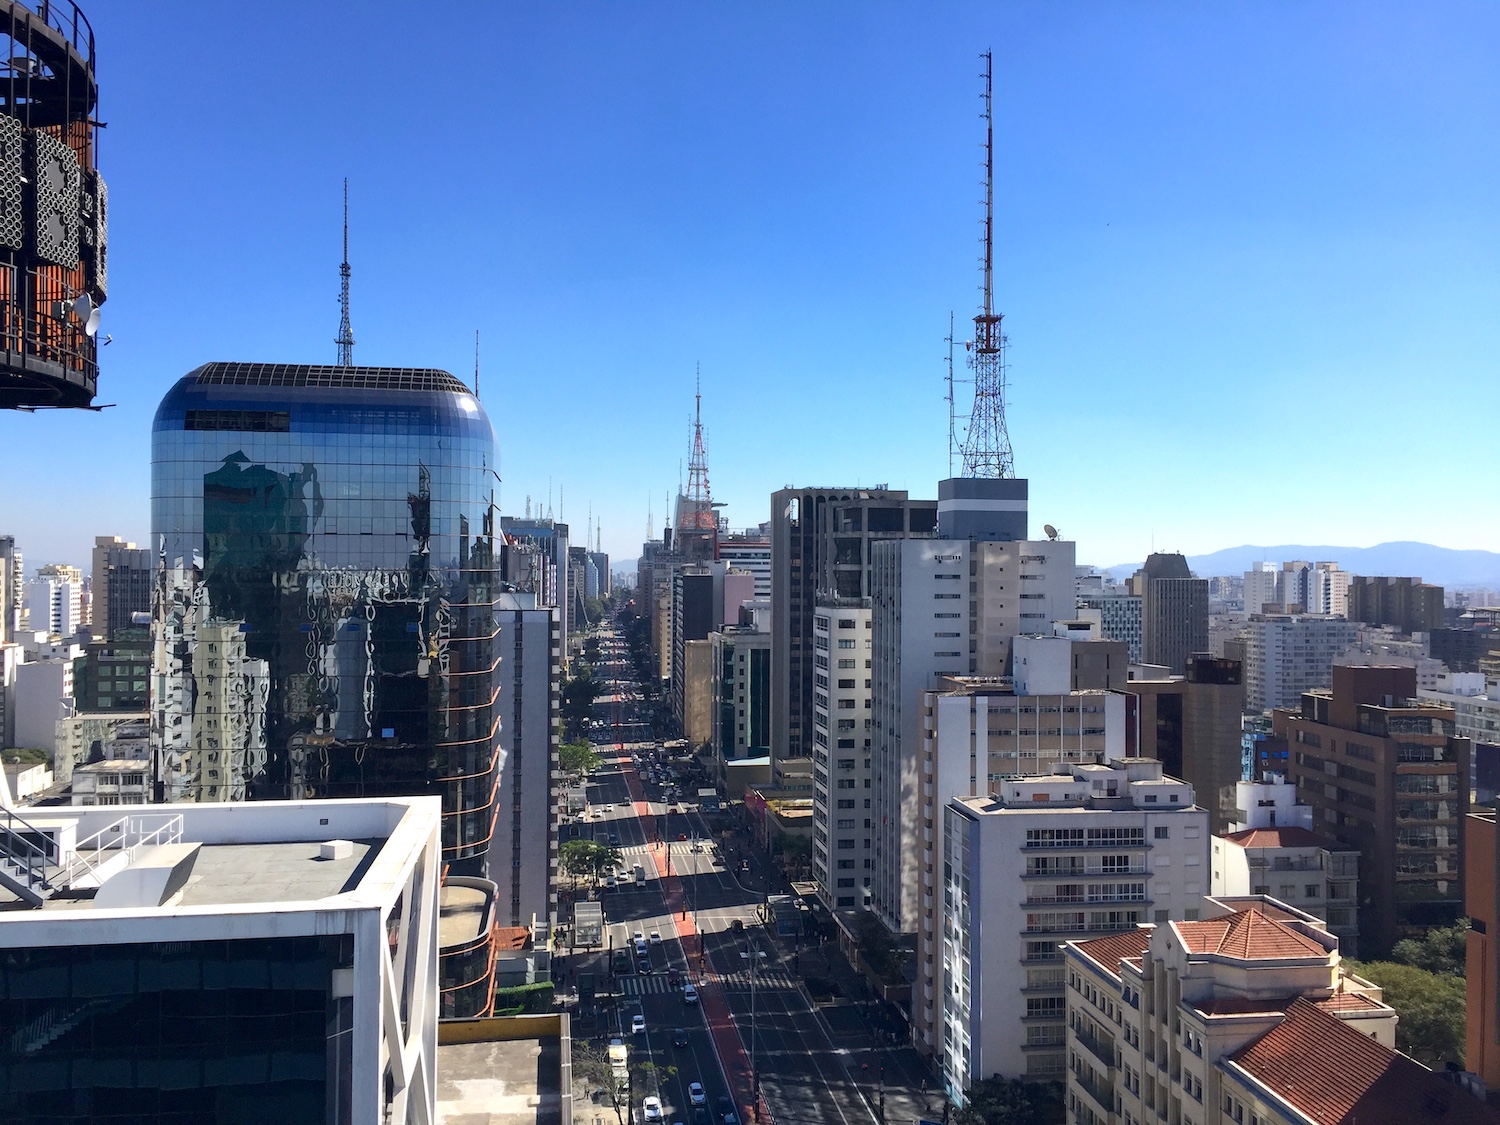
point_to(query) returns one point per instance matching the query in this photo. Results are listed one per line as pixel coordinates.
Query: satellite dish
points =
(1050, 530)
(82, 311)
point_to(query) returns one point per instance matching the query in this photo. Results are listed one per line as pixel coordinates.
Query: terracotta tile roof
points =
(1249, 935)
(512, 937)
(1336, 1076)
(1110, 951)
(1278, 838)
(1349, 1002)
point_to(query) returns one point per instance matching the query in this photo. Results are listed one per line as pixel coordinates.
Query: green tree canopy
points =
(587, 859)
(1431, 1007)
(1009, 1101)
(578, 695)
(577, 758)
(1438, 951)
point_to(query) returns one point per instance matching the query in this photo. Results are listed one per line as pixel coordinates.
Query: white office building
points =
(54, 602)
(842, 812)
(942, 608)
(271, 961)
(1095, 850)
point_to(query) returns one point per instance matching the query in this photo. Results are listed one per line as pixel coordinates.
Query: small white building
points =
(156, 932)
(119, 782)
(1097, 850)
(1271, 849)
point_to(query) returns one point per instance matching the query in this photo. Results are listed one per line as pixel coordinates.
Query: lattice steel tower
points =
(345, 339)
(699, 509)
(986, 446)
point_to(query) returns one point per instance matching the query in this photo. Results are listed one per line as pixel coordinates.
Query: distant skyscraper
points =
(1174, 611)
(325, 535)
(54, 600)
(122, 577)
(12, 590)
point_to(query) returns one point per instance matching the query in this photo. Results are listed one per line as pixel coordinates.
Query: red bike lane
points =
(733, 1056)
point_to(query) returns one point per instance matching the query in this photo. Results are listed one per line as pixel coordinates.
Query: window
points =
(845, 662)
(846, 803)
(846, 763)
(846, 683)
(1160, 832)
(846, 642)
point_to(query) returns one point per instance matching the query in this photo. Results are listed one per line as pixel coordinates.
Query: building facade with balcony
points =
(1043, 861)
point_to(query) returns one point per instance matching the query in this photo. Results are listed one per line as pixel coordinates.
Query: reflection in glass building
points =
(323, 621)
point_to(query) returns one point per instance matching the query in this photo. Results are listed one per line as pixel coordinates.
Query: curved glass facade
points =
(323, 621)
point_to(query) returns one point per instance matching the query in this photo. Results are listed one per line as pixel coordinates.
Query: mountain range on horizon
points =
(1444, 566)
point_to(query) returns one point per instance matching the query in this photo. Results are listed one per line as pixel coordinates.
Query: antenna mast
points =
(700, 501)
(476, 363)
(345, 340)
(952, 429)
(986, 446)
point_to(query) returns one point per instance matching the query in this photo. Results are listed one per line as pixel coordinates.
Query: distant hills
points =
(1442, 565)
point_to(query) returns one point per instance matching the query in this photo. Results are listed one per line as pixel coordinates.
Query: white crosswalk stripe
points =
(640, 986)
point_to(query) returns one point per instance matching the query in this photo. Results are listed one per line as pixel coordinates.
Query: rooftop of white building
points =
(140, 861)
(1121, 784)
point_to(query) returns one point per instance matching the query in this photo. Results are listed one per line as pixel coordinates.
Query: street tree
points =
(592, 1065)
(1441, 950)
(587, 859)
(1009, 1101)
(577, 758)
(1430, 1006)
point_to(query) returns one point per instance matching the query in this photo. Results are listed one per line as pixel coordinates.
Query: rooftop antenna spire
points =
(649, 533)
(986, 446)
(952, 428)
(476, 363)
(700, 500)
(345, 340)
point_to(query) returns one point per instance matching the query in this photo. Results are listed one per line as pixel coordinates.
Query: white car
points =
(639, 937)
(696, 1095)
(651, 1108)
(689, 994)
(609, 808)
(655, 938)
(637, 1024)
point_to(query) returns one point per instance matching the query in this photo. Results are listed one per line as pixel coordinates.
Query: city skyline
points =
(1214, 230)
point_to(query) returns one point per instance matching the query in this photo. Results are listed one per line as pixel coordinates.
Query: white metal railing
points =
(134, 834)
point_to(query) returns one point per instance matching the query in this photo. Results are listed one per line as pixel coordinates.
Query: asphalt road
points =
(804, 1080)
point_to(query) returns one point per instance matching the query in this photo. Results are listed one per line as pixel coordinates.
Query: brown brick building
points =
(1385, 773)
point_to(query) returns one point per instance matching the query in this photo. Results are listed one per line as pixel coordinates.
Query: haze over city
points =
(1241, 251)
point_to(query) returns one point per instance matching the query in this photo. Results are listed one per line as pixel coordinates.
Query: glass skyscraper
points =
(323, 619)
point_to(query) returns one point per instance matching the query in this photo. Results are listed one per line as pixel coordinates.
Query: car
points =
(674, 978)
(610, 881)
(655, 937)
(671, 808)
(696, 1096)
(737, 924)
(744, 863)
(651, 1108)
(679, 1037)
(682, 836)
(689, 993)
(640, 936)
(697, 847)
(644, 968)
(609, 808)
(637, 1024)
(614, 839)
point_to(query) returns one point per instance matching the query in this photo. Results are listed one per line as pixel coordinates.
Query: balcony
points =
(1101, 1049)
(1101, 1092)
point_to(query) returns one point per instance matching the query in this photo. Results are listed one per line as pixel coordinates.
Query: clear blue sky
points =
(1247, 252)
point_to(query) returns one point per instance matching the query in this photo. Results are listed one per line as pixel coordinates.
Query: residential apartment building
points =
(1287, 654)
(522, 861)
(842, 813)
(942, 608)
(1037, 862)
(1246, 1016)
(54, 600)
(1482, 952)
(1387, 774)
(123, 575)
(822, 543)
(1272, 849)
(694, 616)
(115, 675)
(1192, 725)
(1174, 611)
(1475, 703)
(1411, 605)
